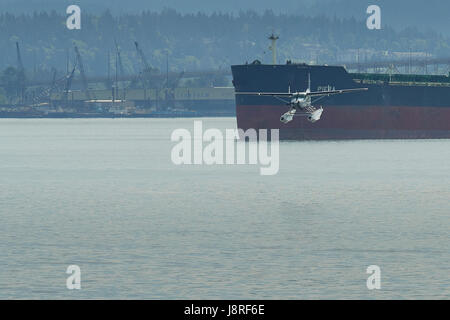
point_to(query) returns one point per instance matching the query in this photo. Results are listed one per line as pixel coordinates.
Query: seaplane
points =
(301, 103)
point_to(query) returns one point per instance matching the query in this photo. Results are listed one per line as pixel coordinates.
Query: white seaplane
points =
(302, 101)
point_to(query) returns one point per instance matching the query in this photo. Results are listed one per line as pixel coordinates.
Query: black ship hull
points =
(417, 107)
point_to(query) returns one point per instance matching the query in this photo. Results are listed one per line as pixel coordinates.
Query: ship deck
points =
(402, 79)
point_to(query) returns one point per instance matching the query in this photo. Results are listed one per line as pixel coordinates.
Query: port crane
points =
(65, 82)
(119, 60)
(302, 101)
(82, 73)
(144, 75)
(146, 65)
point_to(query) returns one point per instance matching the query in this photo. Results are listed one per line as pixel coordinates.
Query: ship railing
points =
(404, 83)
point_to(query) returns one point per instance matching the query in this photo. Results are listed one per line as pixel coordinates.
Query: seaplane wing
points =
(273, 94)
(302, 94)
(328, 93)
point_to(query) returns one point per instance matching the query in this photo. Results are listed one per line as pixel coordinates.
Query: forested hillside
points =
(425, 15)
(201, 41)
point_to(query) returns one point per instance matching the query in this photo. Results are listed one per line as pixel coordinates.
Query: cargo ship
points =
(395, 106)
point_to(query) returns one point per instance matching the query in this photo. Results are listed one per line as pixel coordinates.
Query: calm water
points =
(104, 195)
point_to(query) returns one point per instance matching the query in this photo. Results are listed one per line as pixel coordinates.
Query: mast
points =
(119, 65)
(21, 72)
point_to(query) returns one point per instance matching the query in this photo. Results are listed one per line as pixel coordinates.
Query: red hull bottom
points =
(352, 122)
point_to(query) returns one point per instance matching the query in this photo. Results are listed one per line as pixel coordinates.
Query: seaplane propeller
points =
(302, 101)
